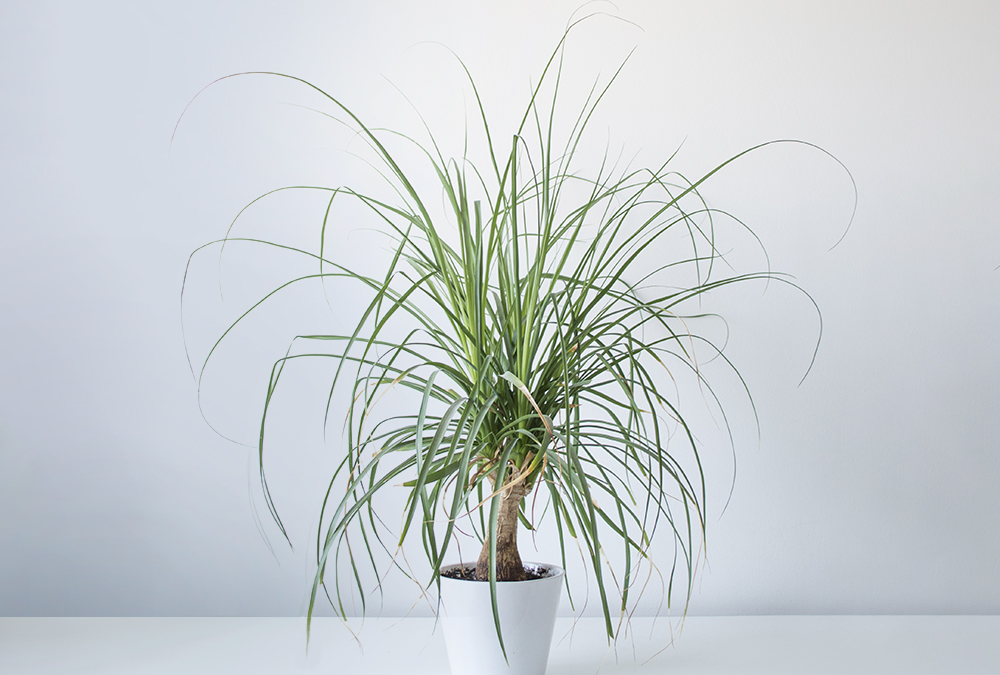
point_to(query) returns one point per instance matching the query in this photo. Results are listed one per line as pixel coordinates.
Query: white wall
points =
(873, 488)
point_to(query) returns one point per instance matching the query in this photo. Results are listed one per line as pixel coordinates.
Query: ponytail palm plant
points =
(541, 322)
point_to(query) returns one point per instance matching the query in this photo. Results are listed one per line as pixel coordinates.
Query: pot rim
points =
(547, 570)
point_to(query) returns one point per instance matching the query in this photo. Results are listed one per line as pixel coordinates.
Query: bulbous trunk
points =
(509, 565)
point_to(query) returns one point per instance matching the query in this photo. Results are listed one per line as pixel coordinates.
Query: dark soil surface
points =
(468, 572)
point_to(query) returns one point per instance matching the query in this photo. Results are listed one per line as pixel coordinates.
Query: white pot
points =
(527, 617)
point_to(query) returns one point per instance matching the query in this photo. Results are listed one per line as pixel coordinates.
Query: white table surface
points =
(774, 645)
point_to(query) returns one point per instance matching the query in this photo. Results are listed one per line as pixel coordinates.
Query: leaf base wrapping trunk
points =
(509, 565)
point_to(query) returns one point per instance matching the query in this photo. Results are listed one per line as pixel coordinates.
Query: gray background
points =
(873, 486)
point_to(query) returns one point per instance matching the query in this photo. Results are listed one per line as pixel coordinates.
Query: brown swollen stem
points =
(509, 565)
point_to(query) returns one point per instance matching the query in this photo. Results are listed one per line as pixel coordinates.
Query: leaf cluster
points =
(536, 337)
